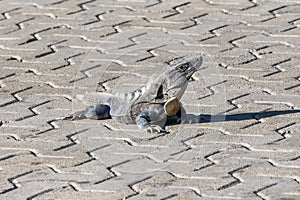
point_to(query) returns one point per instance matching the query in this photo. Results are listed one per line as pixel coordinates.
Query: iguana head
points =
(178, 74)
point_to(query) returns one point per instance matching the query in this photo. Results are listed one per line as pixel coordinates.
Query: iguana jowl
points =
(149, 106)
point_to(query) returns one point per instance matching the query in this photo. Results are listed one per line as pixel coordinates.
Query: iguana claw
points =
(154, 129)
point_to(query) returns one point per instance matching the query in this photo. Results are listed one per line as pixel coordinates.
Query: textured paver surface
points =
(53, 51)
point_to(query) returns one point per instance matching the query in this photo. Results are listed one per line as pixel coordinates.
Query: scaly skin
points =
(149, 106)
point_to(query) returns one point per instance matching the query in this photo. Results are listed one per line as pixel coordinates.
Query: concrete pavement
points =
(53, 51)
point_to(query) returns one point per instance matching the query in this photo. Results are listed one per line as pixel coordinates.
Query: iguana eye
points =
(183, 67)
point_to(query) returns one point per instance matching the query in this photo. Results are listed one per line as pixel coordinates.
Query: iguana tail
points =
(96, 98)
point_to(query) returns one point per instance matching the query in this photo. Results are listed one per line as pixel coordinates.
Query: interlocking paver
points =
(246, 99)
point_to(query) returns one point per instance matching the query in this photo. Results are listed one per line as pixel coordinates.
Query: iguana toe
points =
(154, 129)
(75, 116)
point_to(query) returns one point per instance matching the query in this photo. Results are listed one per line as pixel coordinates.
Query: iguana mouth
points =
(191, 73)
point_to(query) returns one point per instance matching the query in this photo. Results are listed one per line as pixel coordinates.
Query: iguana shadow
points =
(208, 118)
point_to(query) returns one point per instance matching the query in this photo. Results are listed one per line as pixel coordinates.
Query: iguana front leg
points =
(151, 121)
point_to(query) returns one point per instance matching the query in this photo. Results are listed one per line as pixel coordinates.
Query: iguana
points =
(149, 106)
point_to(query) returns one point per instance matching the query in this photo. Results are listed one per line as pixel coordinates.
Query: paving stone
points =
(241, 137)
